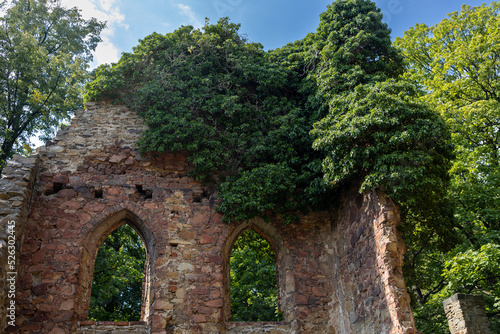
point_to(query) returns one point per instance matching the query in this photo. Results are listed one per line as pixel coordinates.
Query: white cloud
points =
(106, 52)
(107, 5)
(186, 10)
(102, 10)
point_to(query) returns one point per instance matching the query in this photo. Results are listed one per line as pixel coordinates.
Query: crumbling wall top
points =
(99, 125)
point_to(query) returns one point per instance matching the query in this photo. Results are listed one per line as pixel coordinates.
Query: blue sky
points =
(273, 23)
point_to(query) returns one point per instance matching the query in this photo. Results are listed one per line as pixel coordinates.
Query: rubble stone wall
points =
(370, 291)
(16, 186)
(105, 327)
(466, 314)
(338, 271)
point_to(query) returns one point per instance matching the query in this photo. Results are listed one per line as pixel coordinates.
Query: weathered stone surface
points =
(466, 314)
(119, 327)
(16, 189)
(335, 275)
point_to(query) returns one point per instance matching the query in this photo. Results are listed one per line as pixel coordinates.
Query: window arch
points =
(118, 277)
(93, 241)
(284, 279)
(253, 279)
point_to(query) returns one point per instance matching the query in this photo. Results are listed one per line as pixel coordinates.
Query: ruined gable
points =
(339, 271)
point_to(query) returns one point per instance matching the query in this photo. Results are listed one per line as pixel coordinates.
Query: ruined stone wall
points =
(338, 271)
(122, 327)
(16, 187)
(466, 314)
(370, 291)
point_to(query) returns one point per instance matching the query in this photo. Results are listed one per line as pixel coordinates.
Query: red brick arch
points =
(103, 227)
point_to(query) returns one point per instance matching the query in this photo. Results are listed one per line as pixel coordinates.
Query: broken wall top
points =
(91, 130)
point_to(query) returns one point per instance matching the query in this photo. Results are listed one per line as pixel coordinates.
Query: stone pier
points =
(466, 314)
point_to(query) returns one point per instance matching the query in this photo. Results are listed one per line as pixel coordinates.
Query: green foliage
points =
(45, 51)
(456, 63)
(354, 47)
(238, 114)
(244, 115)
(253, 280)
(118, 275)
(374, 130)
(385, 135)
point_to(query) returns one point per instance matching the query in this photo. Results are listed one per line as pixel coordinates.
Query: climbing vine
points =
(245, 115)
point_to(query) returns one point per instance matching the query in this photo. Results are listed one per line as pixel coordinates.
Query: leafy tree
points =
(385, 135)
(354, 47)
(375, 127)
(118, 276)
(375, 131)
(456, 63)
(237, 113)
(245, 117)
(45, 50)
(253, 280)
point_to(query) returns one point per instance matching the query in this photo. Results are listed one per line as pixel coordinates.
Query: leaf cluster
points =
(385, 134)
(245, 115)
(354, 47)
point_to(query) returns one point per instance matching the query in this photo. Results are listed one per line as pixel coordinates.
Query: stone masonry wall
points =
(369, 285)
(105, 327)
(466, 314)
(15, 197)
(338, 271)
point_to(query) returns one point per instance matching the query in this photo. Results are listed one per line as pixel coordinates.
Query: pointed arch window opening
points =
(253, 279)
(119, 275)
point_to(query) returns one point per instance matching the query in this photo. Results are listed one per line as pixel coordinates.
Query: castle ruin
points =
(338, 271)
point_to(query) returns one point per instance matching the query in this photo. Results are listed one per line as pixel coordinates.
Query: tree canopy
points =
(245, 115)
(239, 115)
(374, 130)
(45, 50)
(456, 63)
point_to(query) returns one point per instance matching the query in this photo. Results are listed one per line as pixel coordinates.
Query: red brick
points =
(215, 259)
(300, 299)
(40, 289)
(60, 178)
(121, 323)
(38, 257)
(199, 318)
(114, 191)
(205, 310)
(199, 291)
(215, 303)
(117, 158)
(206, 239)
(71, 205)
(66, 193)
